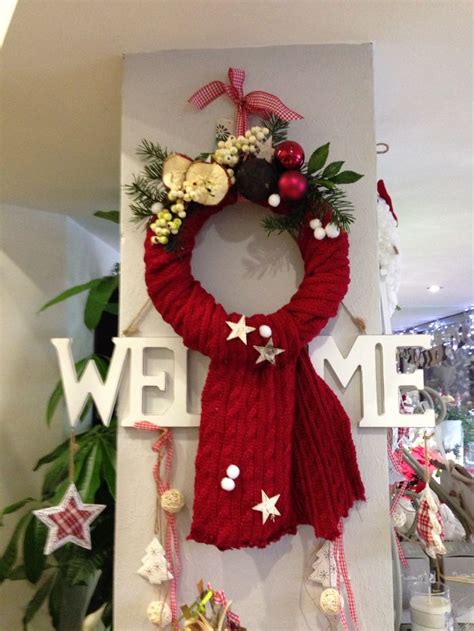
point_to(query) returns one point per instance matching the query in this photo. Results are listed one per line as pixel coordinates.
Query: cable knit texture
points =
(281, 425)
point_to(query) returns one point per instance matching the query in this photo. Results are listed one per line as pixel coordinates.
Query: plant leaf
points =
(108, 466)
(56, 473)
(10, 555)
(332, 169)
(318, 158)
(325, 183)
(110, 215)
(36, 534)
(89, 480)
(12, 508)
(347, 177)
(56, 453)
(72, 291)
(17, 574)
(38, 599)
(98, 299)
(112, 308)
(55, 600)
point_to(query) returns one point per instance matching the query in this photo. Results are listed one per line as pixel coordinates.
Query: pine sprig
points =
(278, 128)
(144, 193)
(148, 150)
(340, 207)
(285, 223)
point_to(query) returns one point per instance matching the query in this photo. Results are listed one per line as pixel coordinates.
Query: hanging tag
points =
(224, 128)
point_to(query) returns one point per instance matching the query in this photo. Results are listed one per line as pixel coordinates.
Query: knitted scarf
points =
(280, 424)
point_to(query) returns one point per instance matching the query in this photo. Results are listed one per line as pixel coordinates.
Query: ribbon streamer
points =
(220, 600)
(342, 571)
(164, 449)
(257, 102)
(396, 460)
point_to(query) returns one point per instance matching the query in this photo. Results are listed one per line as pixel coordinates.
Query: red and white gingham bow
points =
(257, 102)
(220, 600)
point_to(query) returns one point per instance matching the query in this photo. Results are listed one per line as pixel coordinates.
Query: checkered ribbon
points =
(219, 598)
(257, 102)
(396, 460)
(341, 566)
(429, 524)
(162, 471)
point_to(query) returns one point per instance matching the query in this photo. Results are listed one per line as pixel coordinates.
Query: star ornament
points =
(239, 330)
(69, 522)
(266, 150)
(268, 507)
(268, 352)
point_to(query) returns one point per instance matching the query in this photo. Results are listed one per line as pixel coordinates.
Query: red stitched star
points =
(69, 522)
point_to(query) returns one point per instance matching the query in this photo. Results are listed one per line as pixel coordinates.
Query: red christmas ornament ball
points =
(292, 185)
(289, 154)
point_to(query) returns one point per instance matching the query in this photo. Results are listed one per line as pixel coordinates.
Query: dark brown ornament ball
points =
(257, 179)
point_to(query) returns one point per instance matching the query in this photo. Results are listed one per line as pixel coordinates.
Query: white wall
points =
(333, 87)
(41, 254)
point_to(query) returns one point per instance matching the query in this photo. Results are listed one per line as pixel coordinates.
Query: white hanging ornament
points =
(319, 233)
(268, 507)
(239, 330)
(159, 613)
(154, 566)
(315, 223)
(331, 602)
(265, 330)
(324, 567)
(268, 352)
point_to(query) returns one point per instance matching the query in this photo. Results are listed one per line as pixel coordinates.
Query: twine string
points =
(73, 449)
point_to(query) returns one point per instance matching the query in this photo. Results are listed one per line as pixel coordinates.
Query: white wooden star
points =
(268, 352)
(268, 507)
(154, 564)
(266, 150)
(69, 522)
(239, 330)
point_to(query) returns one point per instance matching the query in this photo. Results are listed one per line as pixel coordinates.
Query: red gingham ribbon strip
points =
(342, 571)
(396, 460)
(220, 600)
(257, 102)
(164, 449)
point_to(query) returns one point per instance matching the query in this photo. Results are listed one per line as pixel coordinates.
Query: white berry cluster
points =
(229, 151)
(331, 230)
(164, 224)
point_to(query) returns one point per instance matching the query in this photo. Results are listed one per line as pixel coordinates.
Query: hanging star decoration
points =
(69, 522)
(239, 330)
(154, 564)
(268, 507)
(268, 352)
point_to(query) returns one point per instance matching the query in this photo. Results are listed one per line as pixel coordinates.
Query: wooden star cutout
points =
(266, 150)
(268, 352)
(69, 522)
(268, 507)
(239, 330)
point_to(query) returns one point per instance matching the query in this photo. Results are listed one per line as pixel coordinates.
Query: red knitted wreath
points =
(280, 424)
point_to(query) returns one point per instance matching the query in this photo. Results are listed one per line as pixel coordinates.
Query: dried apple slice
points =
(174, 169)
(209, 180)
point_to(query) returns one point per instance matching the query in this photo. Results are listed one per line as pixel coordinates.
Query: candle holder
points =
(430, 607)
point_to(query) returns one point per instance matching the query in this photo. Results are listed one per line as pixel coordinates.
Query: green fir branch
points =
(148, 150)
(278, 128)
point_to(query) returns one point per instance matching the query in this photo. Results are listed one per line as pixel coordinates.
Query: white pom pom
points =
(314, 223)
(274, 200)
(157, 207)
(159, 613)
(319, 233)
(265, 330)
(227, 484)
(233, 471)
(332, 231)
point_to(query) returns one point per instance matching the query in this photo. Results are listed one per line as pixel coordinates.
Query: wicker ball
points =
(331, 601)
(172, 501)
(159, 613)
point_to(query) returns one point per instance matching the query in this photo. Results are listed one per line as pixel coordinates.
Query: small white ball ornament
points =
(314, 223)
(233, 471)
(157, 207)
(227, 484)
(159, 613)
(332, 231)
(274, 200)
(319, 233)
(265, 330)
